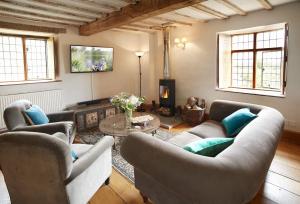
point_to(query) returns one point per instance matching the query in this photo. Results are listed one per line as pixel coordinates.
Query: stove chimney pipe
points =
(166, 36)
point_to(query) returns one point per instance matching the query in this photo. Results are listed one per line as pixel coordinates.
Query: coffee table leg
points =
(153, 133)
(114, 143)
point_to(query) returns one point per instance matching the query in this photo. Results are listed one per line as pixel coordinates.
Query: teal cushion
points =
(210, 147)
(236, 121)
(74, 155)
(37, 115)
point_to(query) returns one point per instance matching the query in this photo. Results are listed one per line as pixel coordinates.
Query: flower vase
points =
(128, 117)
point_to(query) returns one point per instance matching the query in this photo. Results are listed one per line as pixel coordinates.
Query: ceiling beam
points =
(43, 12)
(266, 4)
(17, 26)
(129, 1)
(133, 29)
(144, 27)
(172, 21)
(39, 18)
(86, 5)
(56, 7)
(233, 7)
(113, 3)
(149, 23)
(189, 17)
(134, 12)
(209, 11)
(129, 30)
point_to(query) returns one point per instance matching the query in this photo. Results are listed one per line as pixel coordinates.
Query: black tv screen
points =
(91, 59)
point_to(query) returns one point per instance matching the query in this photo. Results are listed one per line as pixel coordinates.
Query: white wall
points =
(195, 67)
(77, 86)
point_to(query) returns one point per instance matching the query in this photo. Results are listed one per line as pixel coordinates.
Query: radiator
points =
(49, 101)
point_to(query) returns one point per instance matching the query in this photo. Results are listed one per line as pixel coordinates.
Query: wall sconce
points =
(180, 42)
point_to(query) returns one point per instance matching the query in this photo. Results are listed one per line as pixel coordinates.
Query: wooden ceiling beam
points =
(135, 12)
(133, 29)
(172, 21)
(56, 7)
(149, 23)
(129, 1)
(113, 3)
(86, 5)
(144, 27)
(43, 12)
(233, 7)
(209, 11)
(266, 4)
(189, 17)
(39, 18)
(25, 27)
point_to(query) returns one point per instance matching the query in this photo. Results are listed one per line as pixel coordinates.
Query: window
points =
(253, 60)
(24, 58)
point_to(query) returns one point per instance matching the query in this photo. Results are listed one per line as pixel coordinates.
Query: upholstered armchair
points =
(16, 120)
(38, 168)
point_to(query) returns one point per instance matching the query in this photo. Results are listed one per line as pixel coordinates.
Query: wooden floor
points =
(282, 183)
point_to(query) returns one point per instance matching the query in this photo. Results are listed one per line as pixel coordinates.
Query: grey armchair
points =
(16, 120)
(38, 168)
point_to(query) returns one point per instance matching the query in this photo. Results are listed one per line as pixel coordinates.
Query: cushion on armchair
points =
(37, 115)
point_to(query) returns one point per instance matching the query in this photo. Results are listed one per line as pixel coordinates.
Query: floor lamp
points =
(140, 54)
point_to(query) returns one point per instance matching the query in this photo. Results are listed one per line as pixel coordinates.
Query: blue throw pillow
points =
(74, 155)
(37, 115)
(210, 147)
(236, 121)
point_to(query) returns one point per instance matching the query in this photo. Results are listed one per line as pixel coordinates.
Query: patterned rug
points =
(119, 163)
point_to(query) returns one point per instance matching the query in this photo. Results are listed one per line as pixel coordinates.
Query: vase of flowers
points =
(127, 103)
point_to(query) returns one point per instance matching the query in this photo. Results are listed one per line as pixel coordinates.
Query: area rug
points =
(119, 163)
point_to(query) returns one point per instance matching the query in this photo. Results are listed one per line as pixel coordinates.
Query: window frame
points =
(255, 50)
(25, 64)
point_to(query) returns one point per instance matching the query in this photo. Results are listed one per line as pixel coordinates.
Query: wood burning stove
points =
(167, 97)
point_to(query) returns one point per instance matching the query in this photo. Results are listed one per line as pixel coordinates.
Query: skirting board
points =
(291, 137)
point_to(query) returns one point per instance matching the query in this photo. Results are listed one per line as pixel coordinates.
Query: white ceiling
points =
(80, 12)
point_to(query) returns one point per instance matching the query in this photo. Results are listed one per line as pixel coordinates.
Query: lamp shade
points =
(139, 53)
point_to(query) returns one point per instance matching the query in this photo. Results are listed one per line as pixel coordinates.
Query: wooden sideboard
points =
(89, 116)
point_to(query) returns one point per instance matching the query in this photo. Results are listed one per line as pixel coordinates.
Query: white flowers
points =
(134, 100)
(127, 101)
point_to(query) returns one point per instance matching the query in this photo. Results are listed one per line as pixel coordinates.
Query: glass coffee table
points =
(116, 125)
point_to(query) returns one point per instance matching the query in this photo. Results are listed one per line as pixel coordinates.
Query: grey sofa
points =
(38, 168)
(16, 120)
(168, 174)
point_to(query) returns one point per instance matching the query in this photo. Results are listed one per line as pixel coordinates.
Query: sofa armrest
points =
(191, 176)
(49, 128)
(61, 116)
(89, 157)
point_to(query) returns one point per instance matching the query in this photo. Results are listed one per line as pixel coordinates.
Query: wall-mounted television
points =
(91, 59)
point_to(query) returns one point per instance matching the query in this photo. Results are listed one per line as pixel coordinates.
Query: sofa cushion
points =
(210, 147)
(183, 139)
(236, 121)
(74, 155)
(209, 129)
